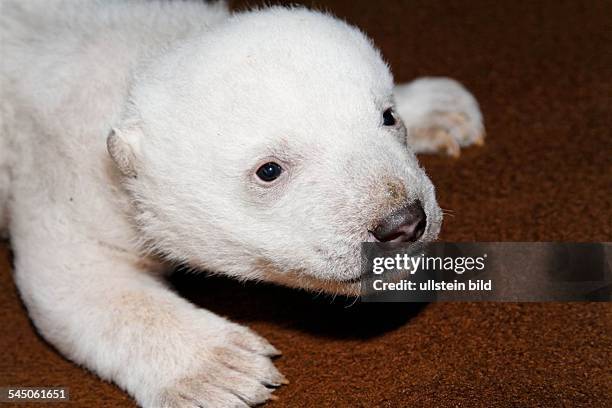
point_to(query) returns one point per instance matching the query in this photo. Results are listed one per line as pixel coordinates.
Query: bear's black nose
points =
(406, 224)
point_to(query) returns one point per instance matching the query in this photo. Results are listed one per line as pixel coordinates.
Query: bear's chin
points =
(305, 281)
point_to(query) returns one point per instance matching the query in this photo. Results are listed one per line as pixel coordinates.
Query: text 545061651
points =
(34, 394)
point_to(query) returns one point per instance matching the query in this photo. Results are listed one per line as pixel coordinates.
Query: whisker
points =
(447, 212)
(354, 301)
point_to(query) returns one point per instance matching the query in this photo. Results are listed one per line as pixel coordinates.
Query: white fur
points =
(441, 115)
(189, 102)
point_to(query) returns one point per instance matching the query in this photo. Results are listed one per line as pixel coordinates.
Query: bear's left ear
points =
(124, 148)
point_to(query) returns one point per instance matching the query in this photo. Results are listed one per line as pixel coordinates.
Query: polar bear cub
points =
(264, 145)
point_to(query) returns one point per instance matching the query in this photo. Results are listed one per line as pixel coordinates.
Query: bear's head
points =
(267, 148)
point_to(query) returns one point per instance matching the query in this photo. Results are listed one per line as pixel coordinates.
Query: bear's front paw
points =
(227, 367)
(440, 116)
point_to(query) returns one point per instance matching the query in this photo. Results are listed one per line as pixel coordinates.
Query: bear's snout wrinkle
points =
(406, 224)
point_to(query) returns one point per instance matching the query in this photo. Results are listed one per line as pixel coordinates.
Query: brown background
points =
(542, 72)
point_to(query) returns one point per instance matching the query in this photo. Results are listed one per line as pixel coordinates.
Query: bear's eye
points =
(388, 117)
(269, 171)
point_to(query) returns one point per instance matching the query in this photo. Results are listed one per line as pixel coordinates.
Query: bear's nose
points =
(406, 224)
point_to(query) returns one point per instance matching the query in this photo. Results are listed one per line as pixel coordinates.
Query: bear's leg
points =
(440, 115)
(4, 197)
(5, 153)
(103, 309)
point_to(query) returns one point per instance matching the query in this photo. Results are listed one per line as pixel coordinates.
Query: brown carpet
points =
(542, 72)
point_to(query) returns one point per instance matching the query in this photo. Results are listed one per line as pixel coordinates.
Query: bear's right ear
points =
(124, 147)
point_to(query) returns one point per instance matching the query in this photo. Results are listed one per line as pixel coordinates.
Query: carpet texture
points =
(542, 72)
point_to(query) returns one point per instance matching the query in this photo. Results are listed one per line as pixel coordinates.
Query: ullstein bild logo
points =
(491, 271)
